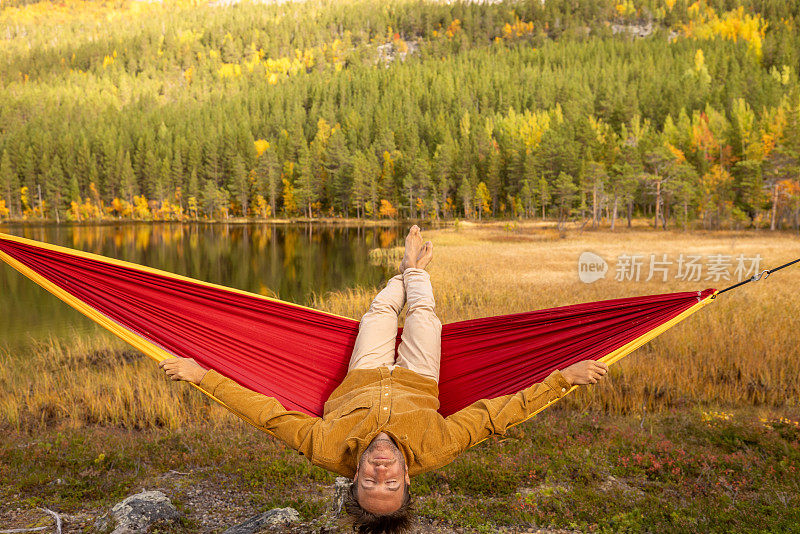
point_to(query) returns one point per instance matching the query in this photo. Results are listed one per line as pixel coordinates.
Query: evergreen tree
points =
(9, 184)
(465, 195)
(83, 162)
(240, 185)
(27, 173)
(55, 187)
(268, 173)
(362, 183)
(306, 192)
(176, 171)
(128, 187)
(493, 181)
(337, 162)
(565, 191)
(74, 190)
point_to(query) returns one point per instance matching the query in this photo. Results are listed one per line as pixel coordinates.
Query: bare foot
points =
(585, 372)
(425, 256)
(414, 247)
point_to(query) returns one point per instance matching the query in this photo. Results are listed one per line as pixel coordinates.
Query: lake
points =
(286, 261)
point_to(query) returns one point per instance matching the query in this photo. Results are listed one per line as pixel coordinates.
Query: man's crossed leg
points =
(420, 348)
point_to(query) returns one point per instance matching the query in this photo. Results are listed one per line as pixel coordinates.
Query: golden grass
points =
(97, 381)
(741, 350)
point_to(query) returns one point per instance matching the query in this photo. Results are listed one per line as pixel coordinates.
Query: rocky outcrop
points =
(257, 523)
(137, 513)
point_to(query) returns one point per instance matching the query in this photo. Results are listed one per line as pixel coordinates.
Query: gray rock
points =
(257, 523)
(612, 484)
(340, 489)
(137, 513)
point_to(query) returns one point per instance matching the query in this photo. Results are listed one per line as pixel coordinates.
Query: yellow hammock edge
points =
(158, 353)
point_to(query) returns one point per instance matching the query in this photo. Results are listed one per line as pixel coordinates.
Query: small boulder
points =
(137, 513)
(612, 484)
(257, 523)
(340, 489)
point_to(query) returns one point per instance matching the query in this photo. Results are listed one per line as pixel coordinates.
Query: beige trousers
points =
(420, 347)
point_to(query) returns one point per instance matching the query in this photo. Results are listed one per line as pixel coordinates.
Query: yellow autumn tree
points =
(191, 204)
(482, 200)
(387, 210)
(261, 206)
(121, 208)
(141, 209)
(261, 146)
(289, 202)
(25, 201)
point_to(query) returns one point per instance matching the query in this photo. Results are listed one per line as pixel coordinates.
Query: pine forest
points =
(686, 114)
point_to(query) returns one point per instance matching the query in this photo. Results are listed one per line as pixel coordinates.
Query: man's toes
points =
(425, 254)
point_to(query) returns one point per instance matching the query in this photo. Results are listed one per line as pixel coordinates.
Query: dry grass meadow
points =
(742, 350)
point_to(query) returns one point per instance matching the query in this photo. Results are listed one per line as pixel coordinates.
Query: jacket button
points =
(563, 390)
(385, 407)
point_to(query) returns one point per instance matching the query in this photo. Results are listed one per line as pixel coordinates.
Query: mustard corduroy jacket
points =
(399, 402)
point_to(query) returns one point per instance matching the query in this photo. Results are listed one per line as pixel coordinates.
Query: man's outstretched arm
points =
(483, 418)
(263, 412)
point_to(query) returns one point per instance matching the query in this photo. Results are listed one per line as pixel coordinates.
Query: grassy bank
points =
(679, 471)
(697, 431)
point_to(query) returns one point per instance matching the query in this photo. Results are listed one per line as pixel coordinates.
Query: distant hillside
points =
(688, 113)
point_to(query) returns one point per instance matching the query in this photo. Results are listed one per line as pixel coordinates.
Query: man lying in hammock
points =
(381, 425)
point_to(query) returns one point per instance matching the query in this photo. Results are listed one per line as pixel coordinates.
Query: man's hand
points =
(183, 369)
(585, 372)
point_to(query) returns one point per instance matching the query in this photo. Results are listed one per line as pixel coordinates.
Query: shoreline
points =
(509, 225)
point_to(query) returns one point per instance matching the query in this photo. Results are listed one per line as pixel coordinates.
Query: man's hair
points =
(368, 523)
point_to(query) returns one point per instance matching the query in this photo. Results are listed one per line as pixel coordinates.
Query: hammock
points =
(299, 355)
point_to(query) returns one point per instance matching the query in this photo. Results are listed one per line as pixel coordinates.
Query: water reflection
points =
(290, 262)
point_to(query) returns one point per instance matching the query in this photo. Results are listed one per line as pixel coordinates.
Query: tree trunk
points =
(630, 212)
(594, 205)
(685, 216)
(614, 214)
(658, 202)
(774, 211)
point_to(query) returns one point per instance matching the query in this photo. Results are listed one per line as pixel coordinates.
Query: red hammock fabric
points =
(299, 355)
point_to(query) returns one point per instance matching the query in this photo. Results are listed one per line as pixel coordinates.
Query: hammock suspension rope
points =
(763, 275)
